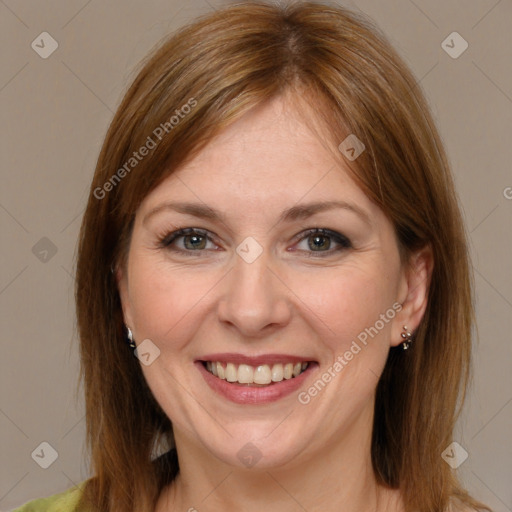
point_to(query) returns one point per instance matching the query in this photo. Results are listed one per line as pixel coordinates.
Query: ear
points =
(413, 292)
(121, 277)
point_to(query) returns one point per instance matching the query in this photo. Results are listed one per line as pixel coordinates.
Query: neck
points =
(338, 478)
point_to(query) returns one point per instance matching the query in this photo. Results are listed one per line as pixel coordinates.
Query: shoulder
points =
(66, 501)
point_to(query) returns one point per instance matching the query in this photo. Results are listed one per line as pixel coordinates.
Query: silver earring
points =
(130, 338)
(407, 337)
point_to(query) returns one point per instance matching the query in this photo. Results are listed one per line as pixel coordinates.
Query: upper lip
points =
(231, 357)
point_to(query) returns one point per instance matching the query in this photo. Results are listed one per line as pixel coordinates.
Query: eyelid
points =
(166, 240)
(340, 239)
(322, 231)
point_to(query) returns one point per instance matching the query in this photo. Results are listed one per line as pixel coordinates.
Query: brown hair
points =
(221, 66)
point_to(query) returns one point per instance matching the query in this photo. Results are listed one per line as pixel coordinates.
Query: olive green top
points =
(66, 501)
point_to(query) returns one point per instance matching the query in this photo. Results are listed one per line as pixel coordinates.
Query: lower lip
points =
(242, 394)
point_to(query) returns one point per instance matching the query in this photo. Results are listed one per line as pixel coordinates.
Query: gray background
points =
(55, 112)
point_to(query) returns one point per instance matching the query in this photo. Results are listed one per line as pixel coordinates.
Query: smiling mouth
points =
(255, 376)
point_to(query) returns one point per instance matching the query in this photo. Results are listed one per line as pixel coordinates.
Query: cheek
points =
(350, 302)
(164, 299)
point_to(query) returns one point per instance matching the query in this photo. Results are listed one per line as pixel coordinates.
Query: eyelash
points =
(166, 240)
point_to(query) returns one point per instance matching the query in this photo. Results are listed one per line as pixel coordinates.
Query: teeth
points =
(245, 374)
(260, 375)
(231, 373)
(277, 372)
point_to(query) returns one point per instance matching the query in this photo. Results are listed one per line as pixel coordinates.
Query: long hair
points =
(197, 82)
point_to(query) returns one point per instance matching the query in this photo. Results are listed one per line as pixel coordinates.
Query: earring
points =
(130, 338)
(407, 337)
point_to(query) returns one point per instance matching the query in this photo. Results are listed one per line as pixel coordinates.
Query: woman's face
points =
(256, 289)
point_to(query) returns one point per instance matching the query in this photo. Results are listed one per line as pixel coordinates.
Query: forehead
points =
(271, 137)
(270, 156)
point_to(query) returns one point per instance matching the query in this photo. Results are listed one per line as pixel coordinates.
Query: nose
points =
(256, 300)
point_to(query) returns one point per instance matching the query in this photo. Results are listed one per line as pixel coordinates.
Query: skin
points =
(289, 300)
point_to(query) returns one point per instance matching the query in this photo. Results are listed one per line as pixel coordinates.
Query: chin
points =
(254, 448)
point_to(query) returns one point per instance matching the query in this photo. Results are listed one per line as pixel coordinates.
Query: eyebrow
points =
(302, 211)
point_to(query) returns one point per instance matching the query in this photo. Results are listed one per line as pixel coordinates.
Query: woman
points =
(272, 232)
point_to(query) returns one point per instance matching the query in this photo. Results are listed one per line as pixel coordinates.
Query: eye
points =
(320, 240)
(193, 240)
